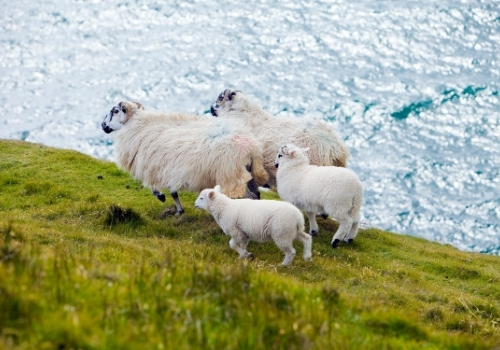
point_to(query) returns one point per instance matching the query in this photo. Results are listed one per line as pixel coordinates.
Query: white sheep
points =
(326, 148)
(181, 151)
(333, 190)
(245, 220)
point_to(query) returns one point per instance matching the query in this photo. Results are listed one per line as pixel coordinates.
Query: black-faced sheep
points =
(181, 151)
(326, 148)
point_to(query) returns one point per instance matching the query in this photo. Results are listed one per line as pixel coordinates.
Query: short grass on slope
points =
(87, 261)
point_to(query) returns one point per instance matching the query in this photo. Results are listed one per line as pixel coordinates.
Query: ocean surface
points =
(412, 87)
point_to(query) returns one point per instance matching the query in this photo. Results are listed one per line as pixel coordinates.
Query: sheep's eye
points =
(124, 110)
(115, 111)
(279, 156)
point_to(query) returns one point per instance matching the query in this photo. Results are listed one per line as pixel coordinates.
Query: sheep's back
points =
(326, 148)
(266, 219)
(310, 187)
(183, 153)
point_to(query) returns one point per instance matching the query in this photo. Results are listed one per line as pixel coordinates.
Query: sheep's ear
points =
(211, 194)
(139, 106)
(217, 188)
(291, 153)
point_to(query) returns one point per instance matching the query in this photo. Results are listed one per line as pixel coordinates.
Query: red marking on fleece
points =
(244, 143)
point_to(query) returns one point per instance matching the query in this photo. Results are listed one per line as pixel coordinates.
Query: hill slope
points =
(87, 261)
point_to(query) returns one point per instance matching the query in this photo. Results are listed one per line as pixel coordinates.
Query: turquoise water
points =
(413, 88)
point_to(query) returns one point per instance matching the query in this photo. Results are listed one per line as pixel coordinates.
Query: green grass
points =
(91, 263)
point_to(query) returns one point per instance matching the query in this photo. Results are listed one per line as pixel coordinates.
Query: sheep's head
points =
(206, 197)
(119, 115)
(225, 102)
(291, 152)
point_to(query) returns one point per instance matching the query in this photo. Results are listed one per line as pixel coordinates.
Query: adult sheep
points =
(320, 189)
(181, 151)
(326, 148)
(246, 220)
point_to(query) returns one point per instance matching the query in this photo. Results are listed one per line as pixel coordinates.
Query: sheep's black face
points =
(115, 118)
(222, 102)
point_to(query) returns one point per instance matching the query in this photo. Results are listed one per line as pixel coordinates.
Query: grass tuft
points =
(115, 215)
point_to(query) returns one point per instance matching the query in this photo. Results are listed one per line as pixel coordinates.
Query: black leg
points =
(253, 189)
(159, 195)
(174, 195)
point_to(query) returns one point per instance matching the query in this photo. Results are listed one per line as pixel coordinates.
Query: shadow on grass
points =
(116, 215)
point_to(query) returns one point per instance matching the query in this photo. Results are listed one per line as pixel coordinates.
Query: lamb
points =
(245, 220)
(181, 151)
(326, 148)
(333, 190)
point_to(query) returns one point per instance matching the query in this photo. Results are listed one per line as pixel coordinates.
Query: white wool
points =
(326, 148)
(335, 191)
(181, 151)
(260, 221)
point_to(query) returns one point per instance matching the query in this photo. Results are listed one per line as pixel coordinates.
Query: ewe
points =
(245, 220)
(320, 189)
(326, 148)
(180, 151)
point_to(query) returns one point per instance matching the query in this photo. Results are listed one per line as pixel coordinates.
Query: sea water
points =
(411, 86)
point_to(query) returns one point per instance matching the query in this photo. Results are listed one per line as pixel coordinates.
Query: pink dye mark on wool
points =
(244, 143)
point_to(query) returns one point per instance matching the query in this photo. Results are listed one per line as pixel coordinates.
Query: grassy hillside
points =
(87, 261)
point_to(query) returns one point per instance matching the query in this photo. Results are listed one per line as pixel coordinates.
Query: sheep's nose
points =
(213, 111)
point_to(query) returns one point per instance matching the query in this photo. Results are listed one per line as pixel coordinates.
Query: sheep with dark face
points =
(326, 148)
(181, 151)
(315, 189)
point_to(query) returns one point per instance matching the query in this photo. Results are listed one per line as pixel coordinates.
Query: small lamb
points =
(332, 190)
(260, 221)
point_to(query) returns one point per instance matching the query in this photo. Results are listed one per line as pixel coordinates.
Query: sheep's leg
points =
(313, 225)
(253, 189)
(343, 230)
(175, 196)
(353, 232)
(235, 244)
(306, 240)
(159, 195)
(289, 253)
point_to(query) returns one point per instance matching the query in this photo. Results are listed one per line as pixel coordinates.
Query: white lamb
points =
(326, 148)
(333, 190)
(245, 220)
(181, 151)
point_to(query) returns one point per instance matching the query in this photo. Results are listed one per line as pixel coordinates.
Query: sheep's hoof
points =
(324, 216)
(161, 197)
(350, 240)
(335, 243)
(179, 213)
(314, 233)
(250, 256)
